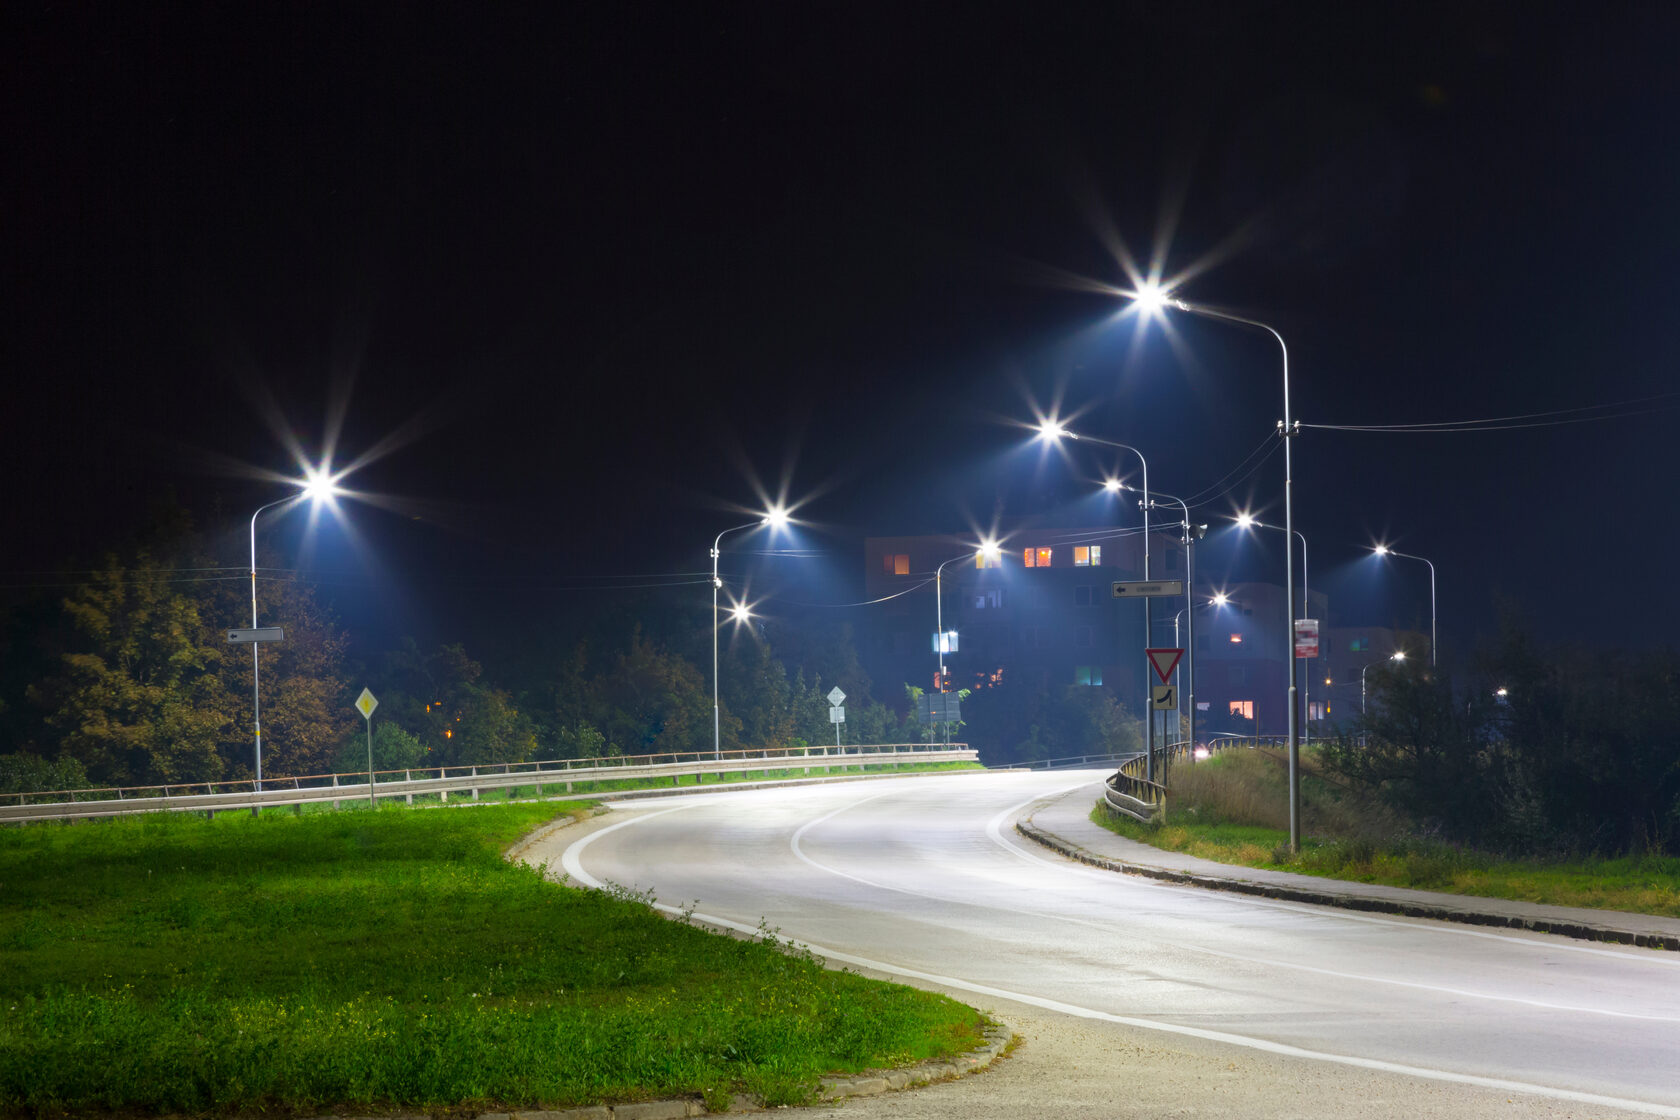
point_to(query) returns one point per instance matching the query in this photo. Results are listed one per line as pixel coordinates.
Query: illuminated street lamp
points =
(1053, 430)
(1397, 656)
(316, 486)
(988, 550)
(1384, 550)
(776, 517)
(1249, 521)
(1151, 298)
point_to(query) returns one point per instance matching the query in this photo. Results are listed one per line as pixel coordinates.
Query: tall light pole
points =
(316, 486)
(1191, 534)
(776, 517)
(1384, 550)
(1051, 431)
(988, 550)
(1248, 521)
(1152, 298)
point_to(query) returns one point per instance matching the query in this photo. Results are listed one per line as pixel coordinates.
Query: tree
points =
(143, 697)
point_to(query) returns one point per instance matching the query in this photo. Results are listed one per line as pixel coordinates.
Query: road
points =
(922, 879)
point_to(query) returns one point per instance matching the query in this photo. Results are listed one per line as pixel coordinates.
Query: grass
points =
(1233, 808)
(392, 959)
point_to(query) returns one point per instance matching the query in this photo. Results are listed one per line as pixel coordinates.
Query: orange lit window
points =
(1043, 557)
(1236, 639)
(1242, 708)
(1029, 558)
(1081, 556)
(896, 563)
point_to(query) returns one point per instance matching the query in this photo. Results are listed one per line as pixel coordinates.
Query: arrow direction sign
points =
(258, 634)
(1150, 589)
(836, 697)
(1163, 697)
(1164, 661)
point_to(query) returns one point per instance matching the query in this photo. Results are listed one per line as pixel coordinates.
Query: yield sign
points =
(1164, 661)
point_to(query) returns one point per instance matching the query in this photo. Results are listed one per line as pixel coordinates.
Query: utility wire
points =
(1580, 414)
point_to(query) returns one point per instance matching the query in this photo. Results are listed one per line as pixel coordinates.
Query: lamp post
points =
(988, 550)
(1051, 430)
(1152, 298)
(1248, 521)
(776, 517)
(316, 486)
(1191, 534)
(1397, 656)
(1384, 550)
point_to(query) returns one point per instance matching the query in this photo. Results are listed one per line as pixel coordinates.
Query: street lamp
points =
(1249, 521)
(1191, 534)
(988, 550)
(1397, 656)
(776, 517)
(1151, 298)
(1052, 430)
(317, 485)
(1384, 550)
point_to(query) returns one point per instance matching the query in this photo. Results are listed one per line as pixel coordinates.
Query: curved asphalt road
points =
(924, 879)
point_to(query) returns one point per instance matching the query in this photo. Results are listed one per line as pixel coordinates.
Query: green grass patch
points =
(392, 959)
(1234, 809)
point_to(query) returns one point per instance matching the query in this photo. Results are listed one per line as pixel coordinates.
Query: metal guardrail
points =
(1071, 761)
(1137, 797)
(558, 775)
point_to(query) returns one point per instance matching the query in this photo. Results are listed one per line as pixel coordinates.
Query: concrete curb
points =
(998, 1040)
(1329, 896)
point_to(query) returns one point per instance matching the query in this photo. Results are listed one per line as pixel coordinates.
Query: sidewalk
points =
(1062, 823)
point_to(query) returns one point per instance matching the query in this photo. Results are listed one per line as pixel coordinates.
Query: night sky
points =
(592, 277)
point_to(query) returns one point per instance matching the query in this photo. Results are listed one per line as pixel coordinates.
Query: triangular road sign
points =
(1164, 661)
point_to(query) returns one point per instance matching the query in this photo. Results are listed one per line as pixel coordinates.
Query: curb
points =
(1581, 930)
(999, 1038)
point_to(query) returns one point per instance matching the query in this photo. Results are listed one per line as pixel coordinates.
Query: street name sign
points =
(836, 697)
(1164, 661)
(1148, 589)
(257, 634)
(1163, 697)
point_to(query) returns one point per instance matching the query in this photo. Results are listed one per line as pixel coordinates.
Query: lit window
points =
(896, 563)
(1236, 639)
(1360, 645)
(985, 560)
(1044, 557)
(992, 597)
(1081, 556)
(1087, 674)
(1243, 709)
(1096, 555)
(1029, 558)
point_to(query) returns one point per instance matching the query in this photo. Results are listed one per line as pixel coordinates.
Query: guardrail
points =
(1071, 761)
(1137, 797)
(558, 775)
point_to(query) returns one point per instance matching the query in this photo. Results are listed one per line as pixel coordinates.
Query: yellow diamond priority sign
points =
(365, 703)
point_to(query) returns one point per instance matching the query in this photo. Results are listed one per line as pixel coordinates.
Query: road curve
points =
(922, 878)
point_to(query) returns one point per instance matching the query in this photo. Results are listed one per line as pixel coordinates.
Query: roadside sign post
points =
(1147, 589)
(836, 713)
(1163, 697)
(365, 704)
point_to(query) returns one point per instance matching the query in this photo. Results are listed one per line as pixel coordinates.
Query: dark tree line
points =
(126, 678)
(1531, 750)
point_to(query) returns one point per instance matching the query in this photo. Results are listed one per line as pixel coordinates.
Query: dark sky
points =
(596, 267)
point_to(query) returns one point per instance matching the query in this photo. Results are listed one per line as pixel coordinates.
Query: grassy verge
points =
(1233, 809)
(392, 959)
